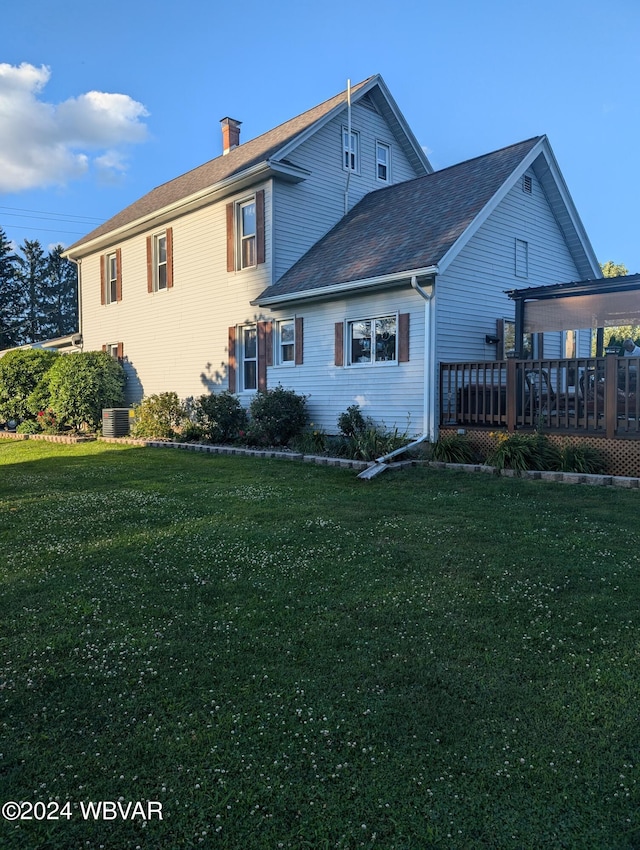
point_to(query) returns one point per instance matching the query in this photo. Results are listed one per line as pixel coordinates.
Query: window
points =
(529, 342)
(249, 356)
(372, 341)
(114, 349)
(160, 261)
(383, 162)
(522, 258)
(246, 230)
(286, 342)
(350, 150)
(246, 233)
(111, 277)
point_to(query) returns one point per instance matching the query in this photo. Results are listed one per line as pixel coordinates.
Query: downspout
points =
(78, 264)
(380, 463)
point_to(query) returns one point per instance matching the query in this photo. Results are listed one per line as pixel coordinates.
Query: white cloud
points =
(44, 144)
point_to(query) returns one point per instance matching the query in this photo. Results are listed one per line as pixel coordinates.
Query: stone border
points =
(625, 482)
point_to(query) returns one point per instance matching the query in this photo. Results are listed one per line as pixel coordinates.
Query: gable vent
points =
(527, 184)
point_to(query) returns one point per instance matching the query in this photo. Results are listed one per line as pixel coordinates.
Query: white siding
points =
(176, 339)
(389, 393)
(304, 212)
(470, 295)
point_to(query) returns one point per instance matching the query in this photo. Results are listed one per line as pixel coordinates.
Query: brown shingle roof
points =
(239, 159)
(403, 227)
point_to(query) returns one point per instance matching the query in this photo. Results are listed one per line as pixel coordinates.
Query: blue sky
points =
(101, 102)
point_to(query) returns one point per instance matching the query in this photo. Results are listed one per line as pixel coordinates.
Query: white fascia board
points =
(347, 288)
(262, 171)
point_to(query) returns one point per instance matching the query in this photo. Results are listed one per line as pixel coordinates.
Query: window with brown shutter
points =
(160, 261)
(246, 245)
(111, 277)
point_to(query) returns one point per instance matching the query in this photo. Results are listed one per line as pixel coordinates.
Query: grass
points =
(287, 657)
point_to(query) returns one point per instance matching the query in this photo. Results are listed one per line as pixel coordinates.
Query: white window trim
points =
(372, 362)
(243, 359)
(387, 147)
(111, 283)
(279, 360)
(241, 238)
(355, 153)
(157, 264)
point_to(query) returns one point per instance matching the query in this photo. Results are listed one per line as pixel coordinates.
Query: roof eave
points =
(347, 287)
(236, 183)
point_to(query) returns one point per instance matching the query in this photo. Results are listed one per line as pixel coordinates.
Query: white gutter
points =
(428, 426)
(347, 286)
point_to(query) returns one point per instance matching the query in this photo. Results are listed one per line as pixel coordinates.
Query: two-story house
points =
(328, 257)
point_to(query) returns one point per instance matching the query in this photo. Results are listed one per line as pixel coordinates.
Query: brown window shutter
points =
(262, 356)
(260, 237)
(339, 344)
(104, 348)
(231, 369)
(231, 241)
(403, 338)
(299, 341)
(149, 264)
(120, 353)
(540, 346)
(119, 274)
(169, 235)
(103, 279)
(268, 338)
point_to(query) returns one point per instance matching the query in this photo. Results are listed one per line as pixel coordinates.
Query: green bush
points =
(363, 439)
(453, 448)
(80, 385)
(21, 371)
(582, 458)
(276, 417)
(159, 417)
(220, 417)
(525, 451)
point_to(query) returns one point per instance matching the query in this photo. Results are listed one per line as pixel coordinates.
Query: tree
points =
(21, 371)
(11, 302)
(80, 385)
(32, 274)
(616, 335)
(62, 294)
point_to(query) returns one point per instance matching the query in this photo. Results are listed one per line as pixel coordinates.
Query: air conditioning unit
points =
(116, 421)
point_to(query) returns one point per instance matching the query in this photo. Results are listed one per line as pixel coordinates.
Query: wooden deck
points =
(594, 396)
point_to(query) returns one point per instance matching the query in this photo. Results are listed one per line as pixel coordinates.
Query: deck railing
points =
(596, 395)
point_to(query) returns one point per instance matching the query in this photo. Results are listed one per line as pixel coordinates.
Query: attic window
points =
(527, 184)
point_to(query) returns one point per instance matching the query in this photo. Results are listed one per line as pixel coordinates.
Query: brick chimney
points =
(230, 134)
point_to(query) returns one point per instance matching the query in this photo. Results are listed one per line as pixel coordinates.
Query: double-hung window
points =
(160, 261)
(246, 233)
(286, 342)
(372, 341)
(350, 150)
(383, 162)
(249, 357)
(111, 277)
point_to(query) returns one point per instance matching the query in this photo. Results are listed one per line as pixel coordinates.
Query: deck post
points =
(511, 395)
(611, 395)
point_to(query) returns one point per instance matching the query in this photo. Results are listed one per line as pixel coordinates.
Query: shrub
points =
(585, 459)
(80, 385)
(352, 422)
(220, 417)
(21, 371)
(525, 451)
(364, 439)
(276, 417)
(160, 417)
(453, 448)
(313, 440)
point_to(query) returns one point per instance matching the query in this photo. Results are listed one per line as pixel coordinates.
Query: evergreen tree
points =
(11, 302)
(62, 284)
(32, 275)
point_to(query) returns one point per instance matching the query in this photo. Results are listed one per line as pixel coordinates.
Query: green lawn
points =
(286, 657)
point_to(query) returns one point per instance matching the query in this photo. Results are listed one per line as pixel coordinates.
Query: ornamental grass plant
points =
(284, 656)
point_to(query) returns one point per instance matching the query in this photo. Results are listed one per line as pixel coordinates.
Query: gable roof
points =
(266, 154)
(421, 225)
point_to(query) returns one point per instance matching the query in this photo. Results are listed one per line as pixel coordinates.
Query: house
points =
(327, 256)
